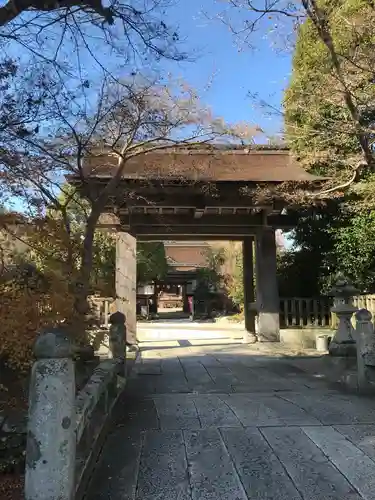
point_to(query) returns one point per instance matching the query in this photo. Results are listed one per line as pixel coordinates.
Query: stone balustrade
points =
(354, 339)
(65, 430)
(365, 338)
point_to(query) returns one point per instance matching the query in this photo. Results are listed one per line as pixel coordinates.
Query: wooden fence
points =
(298, 312)
(295, 312)
(365, 302)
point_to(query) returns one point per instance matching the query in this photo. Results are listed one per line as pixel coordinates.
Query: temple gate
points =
(201, 193)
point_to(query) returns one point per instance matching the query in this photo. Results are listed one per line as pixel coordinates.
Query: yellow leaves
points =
(24, 311)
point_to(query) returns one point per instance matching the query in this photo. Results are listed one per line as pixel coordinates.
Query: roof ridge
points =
(207, 148)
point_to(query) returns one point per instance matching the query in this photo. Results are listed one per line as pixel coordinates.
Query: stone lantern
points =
(343, 341)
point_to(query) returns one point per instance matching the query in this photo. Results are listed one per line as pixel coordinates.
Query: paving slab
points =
(362, 436)
(251, 412)
(177, 412)
(332, 409)
(116, 474)
(261, 473)
(163, 467)
(353, 463)
(287, 412)
(315, 477)
(214, 412)
(198, 378)
(226, 421)
(211, 470)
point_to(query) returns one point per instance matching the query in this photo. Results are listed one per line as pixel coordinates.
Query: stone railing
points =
(365, 340)
(354, 336)
(65, 429)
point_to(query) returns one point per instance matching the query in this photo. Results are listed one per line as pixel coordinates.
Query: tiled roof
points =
(205, 165)
(186, 256)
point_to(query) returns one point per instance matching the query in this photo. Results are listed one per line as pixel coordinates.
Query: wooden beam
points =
(189, 221)
(167, 233)
(189, 237)
(185, 201)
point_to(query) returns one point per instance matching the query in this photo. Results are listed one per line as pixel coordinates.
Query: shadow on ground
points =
(230, 422)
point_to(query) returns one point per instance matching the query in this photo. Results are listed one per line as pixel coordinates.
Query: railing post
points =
(117, 338)
(51, 442)
(365, 337)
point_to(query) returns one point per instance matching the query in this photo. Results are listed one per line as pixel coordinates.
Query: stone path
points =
(204, 421)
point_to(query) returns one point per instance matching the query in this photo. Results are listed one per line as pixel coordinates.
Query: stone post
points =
(343, 342)
(365, 338)
(51, 440)
(267, 293)
(248, 286)
(117, 339)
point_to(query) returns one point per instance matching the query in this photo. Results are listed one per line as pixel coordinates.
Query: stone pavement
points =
(210, 419)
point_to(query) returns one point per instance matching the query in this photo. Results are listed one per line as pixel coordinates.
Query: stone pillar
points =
(117, 339)
(267, 294)
(343, 341)
(126, 282)
(248, 287)
(51, 439)
(365, 340)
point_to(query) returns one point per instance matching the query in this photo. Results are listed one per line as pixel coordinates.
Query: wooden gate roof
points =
(230, 165)
(195, 193)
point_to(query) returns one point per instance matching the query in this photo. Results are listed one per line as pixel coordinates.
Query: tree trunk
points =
(82, 285)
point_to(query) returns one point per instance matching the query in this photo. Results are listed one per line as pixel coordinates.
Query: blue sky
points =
(228, 70)
(233, 72)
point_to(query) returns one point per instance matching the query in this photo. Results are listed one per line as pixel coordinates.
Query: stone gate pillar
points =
(267, 294)
(248, 286)
(126, 282)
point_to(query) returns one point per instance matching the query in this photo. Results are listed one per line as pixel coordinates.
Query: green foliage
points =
(235, 283)
(215, 258)
(151, 261)
(318, 123)
(53, 249)
(307, 268)
(355, 250)
(209, 280)
(327, 241)
(212, 273)
(320, 130)
(104, 263)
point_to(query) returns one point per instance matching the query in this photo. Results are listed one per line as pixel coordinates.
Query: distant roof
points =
(206, 164)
